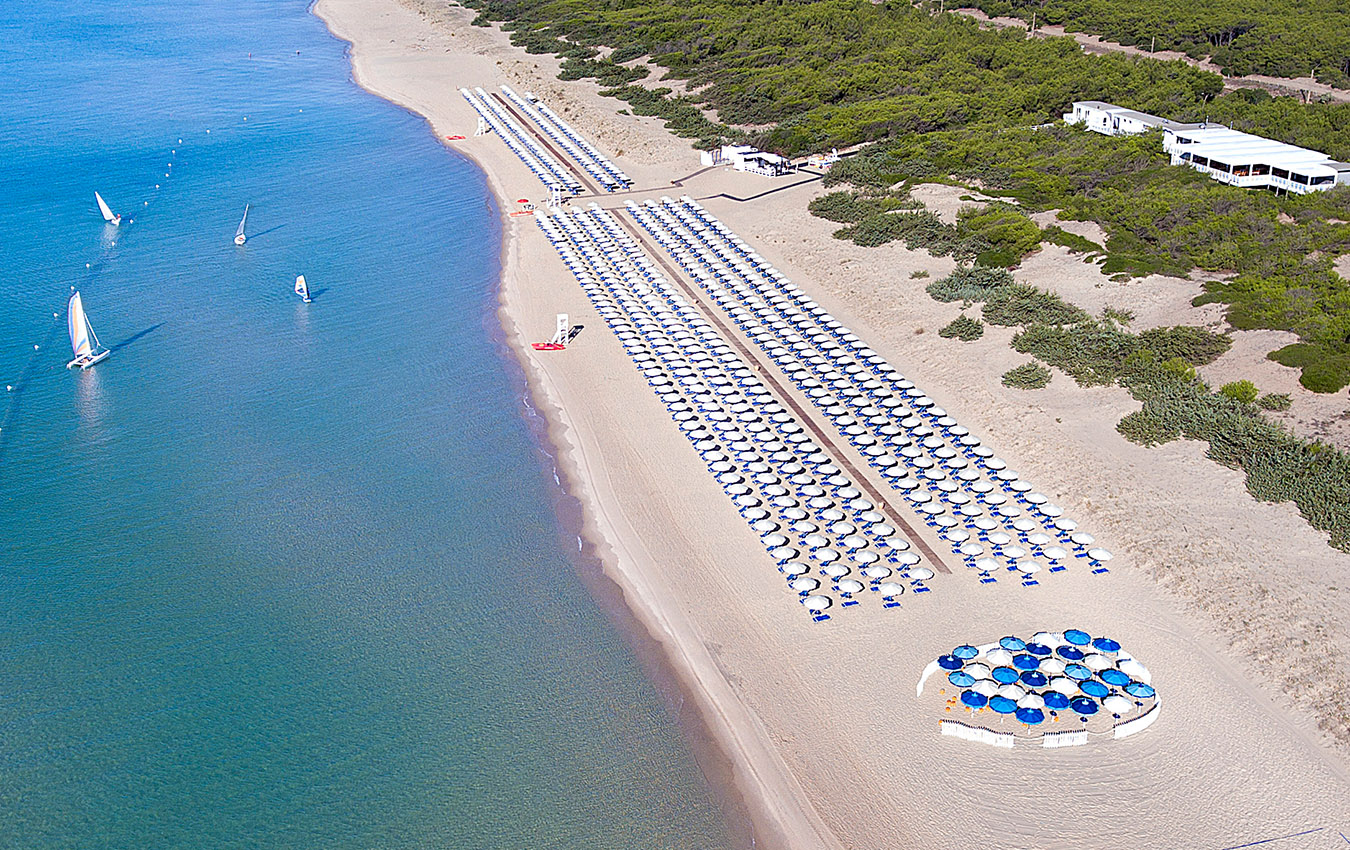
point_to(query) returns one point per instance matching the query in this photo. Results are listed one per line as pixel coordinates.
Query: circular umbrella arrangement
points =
(1050, 678)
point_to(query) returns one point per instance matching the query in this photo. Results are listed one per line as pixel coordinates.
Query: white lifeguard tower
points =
(562, 329)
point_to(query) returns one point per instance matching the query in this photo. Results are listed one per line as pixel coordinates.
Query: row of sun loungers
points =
(544, 165)
(606, 173)
(827, 539)
(992, 519)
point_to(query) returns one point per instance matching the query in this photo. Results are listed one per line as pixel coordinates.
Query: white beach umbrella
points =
(1012, 692)
(890, 588)
(1065, 686)
(1117, 704)
(1031, 700)
(877, 572)
(999, 657)
(920, 573)
(848, 585)
(985, 687)
(1052, 666)
(1096, 662)
(1099, 554)
(987, 565)
(979, 671)
(817, 603)
(804, 585)
(836, 571)
(1132, 668)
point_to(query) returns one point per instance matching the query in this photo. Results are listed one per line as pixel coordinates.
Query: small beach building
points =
(1111, 120)
(1241, 159)
(748, 158)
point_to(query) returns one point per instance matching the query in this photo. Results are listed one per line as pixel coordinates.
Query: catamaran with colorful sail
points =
(108, 216)
(302, 289)
(81, 332)
(239, 237)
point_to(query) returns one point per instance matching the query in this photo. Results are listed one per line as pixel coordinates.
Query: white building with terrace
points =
(1251, 162)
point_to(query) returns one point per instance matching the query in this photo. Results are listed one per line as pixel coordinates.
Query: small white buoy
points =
(180, 141)
(245, 117)
(35, 348)
(147, 203)
(156, 185)
(9, 388)
(86, 265)
(208, 132)
(55, 316)
(166, 174)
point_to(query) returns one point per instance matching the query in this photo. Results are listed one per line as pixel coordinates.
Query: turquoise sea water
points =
(276, 574)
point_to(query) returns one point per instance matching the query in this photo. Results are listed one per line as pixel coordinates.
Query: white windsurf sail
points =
(239, 237)
(302, 288)
(103, 208)
(78, 326)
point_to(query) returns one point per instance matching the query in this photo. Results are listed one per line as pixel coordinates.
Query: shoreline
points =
(738, 781)
(824, 742)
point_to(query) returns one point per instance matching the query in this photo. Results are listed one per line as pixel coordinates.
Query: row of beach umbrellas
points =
(544, 165)
(992, 518)
(586, 155)
(809, 515)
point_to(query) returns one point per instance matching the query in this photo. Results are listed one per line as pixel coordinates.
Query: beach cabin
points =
(823, 161)
(1253, 162)
(747, 158)
(1111, 120)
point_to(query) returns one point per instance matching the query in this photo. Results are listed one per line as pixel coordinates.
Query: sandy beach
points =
(1237, 607)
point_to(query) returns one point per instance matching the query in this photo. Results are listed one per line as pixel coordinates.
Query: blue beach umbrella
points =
(1034, 679)
(1038, 649)
(1069, 653)
(1083, 706)
(1105, 644)
(1005, 675)
(1002, 705)
(1114, 678)
(974, 700)
(965, 652)
(949, 662)
(1094, 689)
(1026, 662)
(1077, 672)
(961, 678)
(1012, 644)
(1140, 690)
(1056, 700)
(1030, 716)
(1077, 637)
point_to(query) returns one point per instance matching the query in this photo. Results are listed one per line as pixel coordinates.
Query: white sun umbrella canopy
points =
(1117, 704)
(817, 602)
(836, 571)
(849, 585)
(920, 573)
(1065, 686)
(877, 572)
(1134, 669)
(804, 584)
(985, 687)
(1031, 701)
(890, 588)
(1000, 657)
(979, 671)
(1012, 692)
(1052, 666)
(1097, 662)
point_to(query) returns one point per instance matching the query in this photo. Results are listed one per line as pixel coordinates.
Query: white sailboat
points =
(108, 216)
(302, 289)
(81, 332)
(239, 237)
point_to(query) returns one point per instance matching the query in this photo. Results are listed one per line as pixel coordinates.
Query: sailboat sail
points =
(103, 208)
(302, 288)
(239, 234)
(78, 326)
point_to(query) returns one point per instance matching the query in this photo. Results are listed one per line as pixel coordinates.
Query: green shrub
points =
(1147, 429)
(1197, 346)
(1122, 318)
(1244, 391)
(1326, 376)
(1007, 231)
(963, 328)
(918, 275)
(1275, 401)
(1028, 376)
(1018, 304)
(969, 284)
(1056, 235)
(1092, 353)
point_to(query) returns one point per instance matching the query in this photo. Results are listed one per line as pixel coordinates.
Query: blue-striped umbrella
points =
(1002, 705)
(1140, 690)
(1094, 689)
(1026, 662)
(1114, 678)
(965, 652)
(1056, 700)
(1077, 672)
(1105, 644)
(1030, 716)
(1005, 675)
(974, 700)
(1034, 679)
(1012, 644)
(1083, 706)
(961, 678)
(1077, 637)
